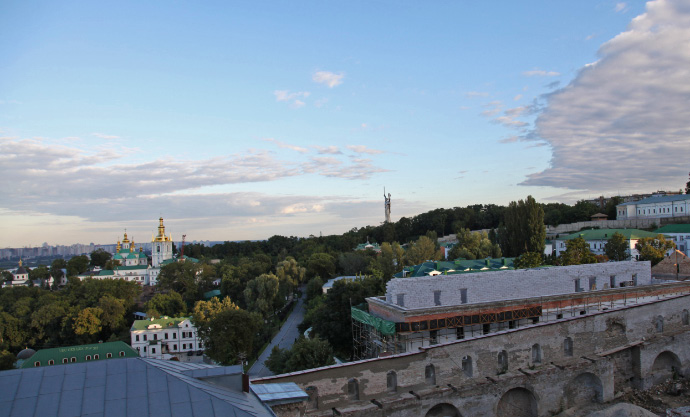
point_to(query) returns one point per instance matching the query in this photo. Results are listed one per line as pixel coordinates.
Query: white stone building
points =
(166, 337)
(597, 239)
(655, 207)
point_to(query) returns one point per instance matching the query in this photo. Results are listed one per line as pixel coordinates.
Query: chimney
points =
(245, 382)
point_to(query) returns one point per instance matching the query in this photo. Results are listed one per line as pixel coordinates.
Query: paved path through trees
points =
(284, 339)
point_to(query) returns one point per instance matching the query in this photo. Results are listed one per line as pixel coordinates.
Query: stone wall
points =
(511, 284)
(543, 368)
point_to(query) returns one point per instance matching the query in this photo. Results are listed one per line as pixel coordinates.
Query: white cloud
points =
(540, 73)
(328, 78)
(517, 97)
(621, 7)
(286, 145)
(622, 124)
(363, 149)
(104, 136)
(509, 122)
(327, 150)
(476, 94)
(293, 98)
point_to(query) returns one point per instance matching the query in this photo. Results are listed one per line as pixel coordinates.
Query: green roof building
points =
(459, 266)
(78, 354)
(680, 233)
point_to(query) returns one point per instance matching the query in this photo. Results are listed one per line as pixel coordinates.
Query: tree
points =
(205, 310)
(77, 265)
(6, 276)
(424, 249)
(474, 245)
(352, 263)
(528, 260)
(577, 252)
(289, 274)
(524, 228)
(314, 288)
(7, 360)
(56, 269)
(332, 320)
(100, 257)
(229, 334)
(170, 304)
(654, 249)
(39, 273)
(616, 247)
(262, 295)
(321, 265)
(113, 312)
(88, 321)
(181, 277)
(277, 360)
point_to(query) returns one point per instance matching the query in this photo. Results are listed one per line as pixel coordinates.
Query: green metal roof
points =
(79, 353)
(106, 272)
(185, 257)
(132, 267)
(164, 323)
(210, 294)
(674, 228)
(605, 234)
(458, 266)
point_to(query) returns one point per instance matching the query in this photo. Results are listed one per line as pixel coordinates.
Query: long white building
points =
(655, 207)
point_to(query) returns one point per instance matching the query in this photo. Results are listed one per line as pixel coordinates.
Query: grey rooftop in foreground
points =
(128, 387)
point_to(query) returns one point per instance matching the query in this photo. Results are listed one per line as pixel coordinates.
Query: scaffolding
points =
(375, 337)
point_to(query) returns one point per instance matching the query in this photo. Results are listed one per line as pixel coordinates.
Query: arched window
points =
(353, 389)
(72, 359)
(95, 357)
(568, 346)
(392, 381)
(65, 360)
(110, 355)
(659, 324)
(430, 374)
(502, 362)
(51, 362)
(88, 357)
(467, 365)
(37, 364)
(536, 353)
(122, 353)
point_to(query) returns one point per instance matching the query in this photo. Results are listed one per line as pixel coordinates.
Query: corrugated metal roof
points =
(122, 387)
(659, 199)
(280, 393)
(605, 234)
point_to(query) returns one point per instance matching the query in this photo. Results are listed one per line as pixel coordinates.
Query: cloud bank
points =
(624, 122)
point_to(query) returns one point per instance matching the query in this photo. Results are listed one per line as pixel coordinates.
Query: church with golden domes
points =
(134, 264)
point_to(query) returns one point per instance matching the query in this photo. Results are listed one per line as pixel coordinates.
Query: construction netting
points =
(385, 327)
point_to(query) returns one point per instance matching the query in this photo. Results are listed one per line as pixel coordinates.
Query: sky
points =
(241, 119)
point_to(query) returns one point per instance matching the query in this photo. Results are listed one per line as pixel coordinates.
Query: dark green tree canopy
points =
(654, 249)
(577, 252)
(616, 248)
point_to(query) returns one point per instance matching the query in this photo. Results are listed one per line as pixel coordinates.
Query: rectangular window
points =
(460, 333)
(184, 346)
(433, 337)
(577, 285)
(166, 336)
(174, 347)
(153, 350)
(634, 279)
(145, 338)
(155, 336)
(137, 338)
(463, 295)
(437, 298)
(174, 335)
(592, 283)
(401, 300)
(612, 281)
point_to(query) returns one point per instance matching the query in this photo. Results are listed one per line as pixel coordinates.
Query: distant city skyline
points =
(243, 120)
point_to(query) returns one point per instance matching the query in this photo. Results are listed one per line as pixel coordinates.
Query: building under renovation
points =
(429, 310)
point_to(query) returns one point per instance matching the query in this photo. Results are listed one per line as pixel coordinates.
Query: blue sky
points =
(240, 120)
